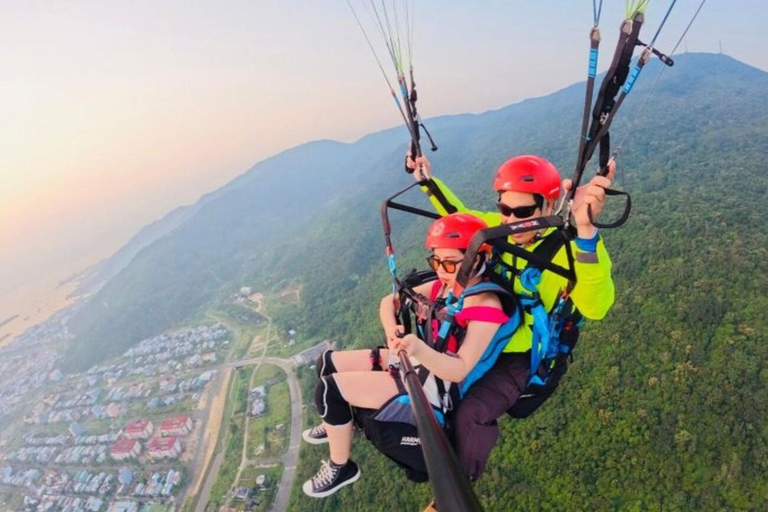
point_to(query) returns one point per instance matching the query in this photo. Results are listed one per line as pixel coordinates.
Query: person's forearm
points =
(448, 368)
(442, 198)
(594, 292)
(387, 313)
(449, 200)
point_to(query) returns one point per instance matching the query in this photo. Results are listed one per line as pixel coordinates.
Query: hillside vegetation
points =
(665, 405)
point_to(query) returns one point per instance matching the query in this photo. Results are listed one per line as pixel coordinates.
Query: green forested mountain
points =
(207, 255)
(665, 405)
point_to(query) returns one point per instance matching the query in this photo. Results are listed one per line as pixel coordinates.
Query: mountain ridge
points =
(341, 168)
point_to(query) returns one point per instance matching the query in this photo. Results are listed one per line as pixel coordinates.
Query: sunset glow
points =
(115, 113)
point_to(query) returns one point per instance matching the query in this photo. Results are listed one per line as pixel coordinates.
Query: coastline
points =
(31, 307)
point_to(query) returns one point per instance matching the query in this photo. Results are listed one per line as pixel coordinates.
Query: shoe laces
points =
(325, 476)
(317, 431)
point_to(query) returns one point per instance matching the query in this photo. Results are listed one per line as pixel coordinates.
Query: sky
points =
(113, 113)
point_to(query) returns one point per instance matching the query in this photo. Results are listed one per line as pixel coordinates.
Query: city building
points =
(124, 506)
(257, 407)
(125, 477)
(139, 429)
(242, 493)
(176, 426)
(125, 449)
(164, 448)
(173, 477)
(75, 429)
(311, 354)
(168, 384)
(93, 504)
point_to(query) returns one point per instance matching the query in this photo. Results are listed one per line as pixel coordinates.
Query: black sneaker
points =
(330, 479)
(315, 435)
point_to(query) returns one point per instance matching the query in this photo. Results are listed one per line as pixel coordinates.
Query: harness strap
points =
(481, 314)
(546, 327)
(376, 359)
(394, 372)
(435, 291)
(624, 216)
(456, 314)
(541, 329)
(434, 190)
(455, 306)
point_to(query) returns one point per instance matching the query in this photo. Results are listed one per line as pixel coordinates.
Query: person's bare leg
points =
(356, 360)
(339, 442)
(344, 361)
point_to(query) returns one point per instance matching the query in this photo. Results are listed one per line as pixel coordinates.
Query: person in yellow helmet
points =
(527, 187)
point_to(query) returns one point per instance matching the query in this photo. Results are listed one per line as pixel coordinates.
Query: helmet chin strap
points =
(546, 209)
(538, 236)
(480, 270)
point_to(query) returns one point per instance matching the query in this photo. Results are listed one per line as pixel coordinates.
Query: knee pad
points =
(330, 403)
(324, 365)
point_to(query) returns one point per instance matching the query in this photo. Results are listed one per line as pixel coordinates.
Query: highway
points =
(297, 423)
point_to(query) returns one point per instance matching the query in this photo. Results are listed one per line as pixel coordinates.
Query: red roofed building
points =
(139, 429)
(125, 449)
(176, 426)
(164, 448)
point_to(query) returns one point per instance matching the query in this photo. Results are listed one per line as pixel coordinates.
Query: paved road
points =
(205, 492)
(297, 422)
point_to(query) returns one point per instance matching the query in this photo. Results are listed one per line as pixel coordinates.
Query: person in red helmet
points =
(527, 187)
(348, 383)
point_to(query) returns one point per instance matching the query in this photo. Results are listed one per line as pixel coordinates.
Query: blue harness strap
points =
(454, 305)
(392, 263)
(542, 328)
(492, 352)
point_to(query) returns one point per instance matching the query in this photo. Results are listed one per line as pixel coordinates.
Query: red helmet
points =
(453, 231)
(530, 174)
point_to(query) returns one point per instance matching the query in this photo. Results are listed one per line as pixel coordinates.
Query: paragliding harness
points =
(555, 332)
(392, 428)
(549, 355)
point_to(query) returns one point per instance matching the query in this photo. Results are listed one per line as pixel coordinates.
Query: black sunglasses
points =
(448, 265)
(520, 212)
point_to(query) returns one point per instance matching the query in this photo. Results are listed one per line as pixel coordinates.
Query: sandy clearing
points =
(215, 417)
